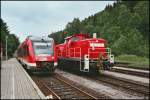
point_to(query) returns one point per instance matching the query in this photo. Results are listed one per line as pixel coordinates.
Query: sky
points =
(40, 18)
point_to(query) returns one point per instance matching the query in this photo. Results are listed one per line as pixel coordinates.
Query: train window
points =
(84, 38)
(43, 48)
(66, 40)
(75, 39)
(26, 50)
(21, 52)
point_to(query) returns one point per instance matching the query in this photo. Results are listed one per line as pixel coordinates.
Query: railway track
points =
(57, 87)
(133, 87)
(128, 85)
(131, 71)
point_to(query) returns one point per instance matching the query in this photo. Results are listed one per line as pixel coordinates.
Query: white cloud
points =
(43, 17)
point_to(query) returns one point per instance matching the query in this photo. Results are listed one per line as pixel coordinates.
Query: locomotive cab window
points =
(75, 39)
(84, 38)
(65, 41)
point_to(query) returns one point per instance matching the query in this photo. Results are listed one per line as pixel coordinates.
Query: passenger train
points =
(37, 54)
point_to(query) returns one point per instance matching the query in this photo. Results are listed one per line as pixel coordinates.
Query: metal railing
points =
(97, 51)
(58, 52)
(75, 52)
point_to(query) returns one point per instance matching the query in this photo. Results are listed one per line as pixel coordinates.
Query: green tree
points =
(13, 41)
(125, 25)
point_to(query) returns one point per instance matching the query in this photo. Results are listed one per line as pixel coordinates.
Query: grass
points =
(134, 61)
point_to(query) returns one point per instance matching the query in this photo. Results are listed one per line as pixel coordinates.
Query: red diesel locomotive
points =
(37, 54)
(82, 52)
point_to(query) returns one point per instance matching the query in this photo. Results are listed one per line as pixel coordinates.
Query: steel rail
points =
(128, 85)
(142, 74)
(58, 97)
(75, 87)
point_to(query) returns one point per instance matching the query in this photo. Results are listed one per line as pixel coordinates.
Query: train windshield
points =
(43, 48)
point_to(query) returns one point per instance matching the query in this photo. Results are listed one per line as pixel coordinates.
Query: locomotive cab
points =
(44, 54)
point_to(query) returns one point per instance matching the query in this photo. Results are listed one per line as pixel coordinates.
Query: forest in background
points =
(125, 26)
(12, 40)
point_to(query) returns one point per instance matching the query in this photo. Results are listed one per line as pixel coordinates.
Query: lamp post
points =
(6, 47)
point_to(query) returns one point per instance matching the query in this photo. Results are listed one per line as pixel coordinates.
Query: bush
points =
(133, 59)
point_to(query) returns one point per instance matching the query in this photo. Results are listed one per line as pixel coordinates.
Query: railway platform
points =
(127, 77)
(16, 83)
(131, 69)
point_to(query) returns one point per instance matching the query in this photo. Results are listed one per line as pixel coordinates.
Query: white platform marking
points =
(13, 84)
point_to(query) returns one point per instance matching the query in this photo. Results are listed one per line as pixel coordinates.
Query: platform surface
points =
(132, 69)
(128, 77)
(15, 83)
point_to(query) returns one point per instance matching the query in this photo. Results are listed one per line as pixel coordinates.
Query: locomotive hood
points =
(94, 42)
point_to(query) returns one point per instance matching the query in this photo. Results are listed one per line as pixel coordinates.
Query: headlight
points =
(52, 58)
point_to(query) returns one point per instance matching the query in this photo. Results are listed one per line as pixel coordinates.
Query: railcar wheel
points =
(29, 71)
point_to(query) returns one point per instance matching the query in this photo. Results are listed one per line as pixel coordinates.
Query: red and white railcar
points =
(38, 54)
(84, 51)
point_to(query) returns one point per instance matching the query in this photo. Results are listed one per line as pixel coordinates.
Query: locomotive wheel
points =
(111, 65)
(94, 71)
(29, 71)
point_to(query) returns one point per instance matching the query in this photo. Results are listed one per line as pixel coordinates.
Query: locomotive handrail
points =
(108, 51)
(71, 50)
(75, 52)
(59, 53)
